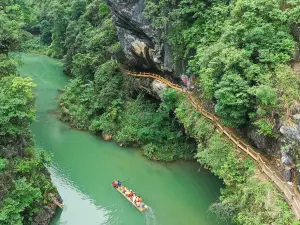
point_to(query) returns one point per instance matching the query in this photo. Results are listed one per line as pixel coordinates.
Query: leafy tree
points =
(45, 27)
(10, 35)
(218, 38)
(243, 200)
(287, 86)
(17, 100)
(233, 100)
(24, 181)
(77, 9)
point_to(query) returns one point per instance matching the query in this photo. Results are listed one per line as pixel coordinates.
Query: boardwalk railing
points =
(289, 193)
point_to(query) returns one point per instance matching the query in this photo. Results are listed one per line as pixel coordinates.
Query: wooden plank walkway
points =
(290, 194)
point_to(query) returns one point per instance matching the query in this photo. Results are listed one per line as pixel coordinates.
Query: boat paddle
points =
(124, 180)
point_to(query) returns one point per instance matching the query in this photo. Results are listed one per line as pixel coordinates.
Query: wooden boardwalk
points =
(290, 194)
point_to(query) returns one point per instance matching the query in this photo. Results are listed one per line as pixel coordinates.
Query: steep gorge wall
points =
(141, 43)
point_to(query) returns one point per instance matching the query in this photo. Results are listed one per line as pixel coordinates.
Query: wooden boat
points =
(119, 189)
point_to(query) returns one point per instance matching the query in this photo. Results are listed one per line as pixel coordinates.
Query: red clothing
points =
(115, 184)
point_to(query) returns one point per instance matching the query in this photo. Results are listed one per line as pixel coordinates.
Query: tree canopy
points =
(251, 39)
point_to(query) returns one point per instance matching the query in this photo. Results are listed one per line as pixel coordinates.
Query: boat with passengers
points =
(131, 196)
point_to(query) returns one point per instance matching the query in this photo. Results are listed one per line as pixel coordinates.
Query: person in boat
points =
(131, 195)
(124, 190)
(138, 204)
(119, 184)
(139, 199)
(134, 198)
(128, 193)
(115, 184)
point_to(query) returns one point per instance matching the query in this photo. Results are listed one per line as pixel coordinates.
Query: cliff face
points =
(144, 49)
(140, 42)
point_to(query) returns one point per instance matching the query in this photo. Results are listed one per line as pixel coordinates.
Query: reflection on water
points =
(78, 207)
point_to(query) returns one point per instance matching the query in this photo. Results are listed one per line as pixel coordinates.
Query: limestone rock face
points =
(46, 213)
(268, 145)
(158, 88)
(290, 132)
(141, 43)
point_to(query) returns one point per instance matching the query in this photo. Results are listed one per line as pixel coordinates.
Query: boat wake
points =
(150, 217)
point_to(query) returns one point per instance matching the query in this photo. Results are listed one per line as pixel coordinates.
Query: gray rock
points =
(268, 144)
(11, 146)
(46, 213)
(295, 108)
(286, 159)
(296, 118)
(286, 174)
(291, 133)
(158, 88)
(141, 43)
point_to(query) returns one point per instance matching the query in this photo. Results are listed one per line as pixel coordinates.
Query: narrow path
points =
(290, 194)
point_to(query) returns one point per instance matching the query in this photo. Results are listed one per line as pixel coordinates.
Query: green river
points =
(84, 166)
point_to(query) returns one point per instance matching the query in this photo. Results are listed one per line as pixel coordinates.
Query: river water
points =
(84, 166)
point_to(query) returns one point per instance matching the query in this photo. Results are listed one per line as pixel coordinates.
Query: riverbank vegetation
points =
(97, 98)
(249, 198)
(241, 61)
(132, 121)
(25, 184)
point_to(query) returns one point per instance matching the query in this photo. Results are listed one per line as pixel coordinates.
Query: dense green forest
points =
(242, 54)
(240, 51)
(99, 98)
(25, 185)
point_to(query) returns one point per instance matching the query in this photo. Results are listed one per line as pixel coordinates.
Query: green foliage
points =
(257, 202)
(264, 127)
(11, 22)
(24, 187)
(79, 32)
(247, 199)
(137, 121)
(266, 95)
(244, 38)
(196, 125)
(223, 160)
(232, 100)
(77, 110)
(24, 180)
(96, 98)
(33, 44)
(22, 197)
(286, 85)
(7, 66)
(2, 163)
(45, 29)
(17, 100)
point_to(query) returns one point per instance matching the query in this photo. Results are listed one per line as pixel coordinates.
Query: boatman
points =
(115, 184)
